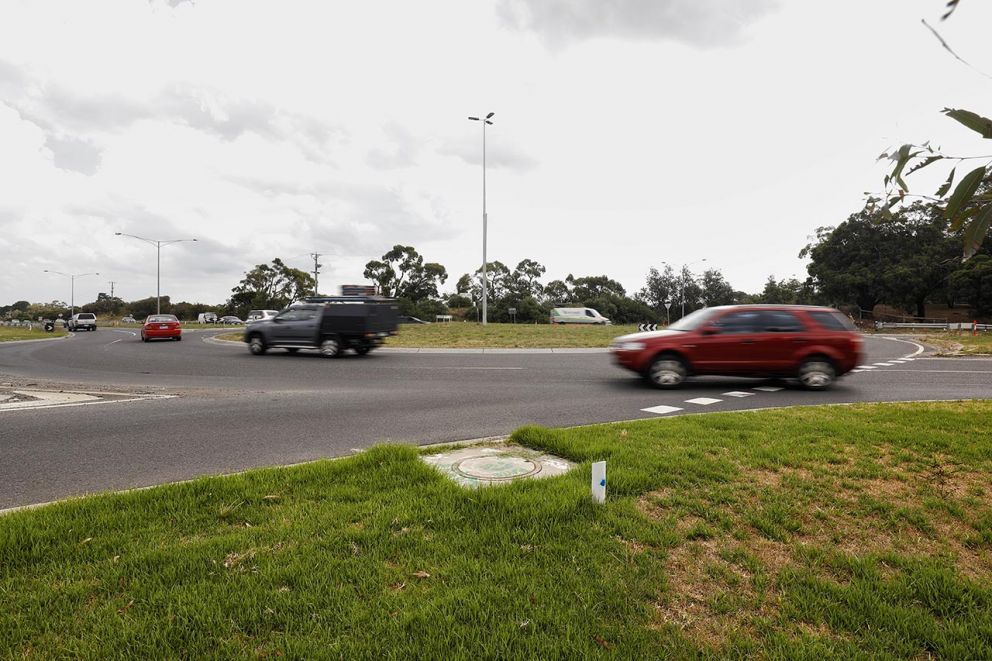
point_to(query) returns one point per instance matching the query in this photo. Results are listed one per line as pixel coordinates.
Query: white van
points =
(578, 316)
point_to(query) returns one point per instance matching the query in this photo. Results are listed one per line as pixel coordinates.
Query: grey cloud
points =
(74, 154)
(70, 118)
(403, 150)
(498, 155)
(705, 23)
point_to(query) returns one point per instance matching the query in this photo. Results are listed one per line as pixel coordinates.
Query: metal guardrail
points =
(881, 325)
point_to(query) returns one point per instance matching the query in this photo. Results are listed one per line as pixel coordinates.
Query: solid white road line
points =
(919, 347)
(738, 393)
(662, 410)
(883, 364)
(768, 388)
(703, 401)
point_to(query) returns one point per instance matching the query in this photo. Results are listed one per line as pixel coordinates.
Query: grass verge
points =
(12, 333)
(861, 531)
(458, 335)
(960, 344)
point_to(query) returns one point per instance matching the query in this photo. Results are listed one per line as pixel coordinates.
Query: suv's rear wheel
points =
(667, 372)
(816, 373)
(330, 347)
(363, 348)
(256, 345)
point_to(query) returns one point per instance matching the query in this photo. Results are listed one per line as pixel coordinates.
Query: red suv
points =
(813, 344)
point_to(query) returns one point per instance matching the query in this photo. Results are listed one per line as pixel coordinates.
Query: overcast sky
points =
(627, 133)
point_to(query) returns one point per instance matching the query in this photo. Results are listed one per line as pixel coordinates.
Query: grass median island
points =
(961, 343)
(13, 333)
(467, 335)
(861, 531)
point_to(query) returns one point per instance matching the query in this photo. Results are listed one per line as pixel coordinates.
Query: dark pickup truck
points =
(330, 324)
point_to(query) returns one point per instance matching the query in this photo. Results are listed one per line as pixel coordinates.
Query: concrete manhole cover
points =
(497, 467)
(477, 466)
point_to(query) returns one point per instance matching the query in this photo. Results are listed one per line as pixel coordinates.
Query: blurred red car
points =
(161, 327)
(813, 344)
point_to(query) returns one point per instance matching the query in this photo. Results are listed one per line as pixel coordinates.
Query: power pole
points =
(112, 283)
(316, 272)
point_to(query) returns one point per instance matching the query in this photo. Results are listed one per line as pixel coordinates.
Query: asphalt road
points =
(234, 411)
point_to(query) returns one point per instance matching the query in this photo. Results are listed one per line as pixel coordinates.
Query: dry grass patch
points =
(722, 585)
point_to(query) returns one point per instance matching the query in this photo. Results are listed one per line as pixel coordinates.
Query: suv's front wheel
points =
(667, 372)
(256, 345)
(330, 347)
(816, 373)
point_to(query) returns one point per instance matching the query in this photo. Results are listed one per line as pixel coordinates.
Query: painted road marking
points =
(884, 364)
(703, 401)
(662, 410)
(866, 367)
(738, 393)
(768, 388)
(856, 371)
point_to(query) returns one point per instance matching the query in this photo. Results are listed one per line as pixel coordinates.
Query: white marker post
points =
(599, 482)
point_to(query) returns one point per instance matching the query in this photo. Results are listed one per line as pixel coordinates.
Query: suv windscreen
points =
(693, 320)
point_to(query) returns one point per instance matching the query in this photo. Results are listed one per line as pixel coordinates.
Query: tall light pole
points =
(682, 281)
(485, 218)
(72, 292)
(158, 263)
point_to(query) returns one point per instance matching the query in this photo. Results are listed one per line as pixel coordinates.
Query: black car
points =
(330, 324)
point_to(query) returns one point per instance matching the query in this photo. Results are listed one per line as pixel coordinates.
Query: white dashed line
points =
(737, 393)
(703, 401)
(768, 388)
(883, 364)
(866, 367)
(662, 410)
(856, 371)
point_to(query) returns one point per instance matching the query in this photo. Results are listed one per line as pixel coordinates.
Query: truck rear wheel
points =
(363, 348)
(330, 347)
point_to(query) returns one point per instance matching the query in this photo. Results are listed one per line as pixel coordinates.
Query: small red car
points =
(161, 326)
(814, 344)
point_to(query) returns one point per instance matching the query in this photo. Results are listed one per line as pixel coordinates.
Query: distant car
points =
(578, 316)
(405, 319)
(83, 321)
(161, 327)
(813, 344)
(230, 320)
(128, 320)
(259, 315)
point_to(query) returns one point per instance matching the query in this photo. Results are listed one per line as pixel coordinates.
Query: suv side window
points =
(832, 320)
(780, 321)
(744, 321)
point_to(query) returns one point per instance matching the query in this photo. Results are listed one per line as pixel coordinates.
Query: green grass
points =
(861, 532)
(12, 333)
(962, 343)
(467, 335)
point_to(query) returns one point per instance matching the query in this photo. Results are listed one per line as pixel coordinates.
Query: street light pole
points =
(485, 219)
(158, 263)
(682, 281)
(72, 287)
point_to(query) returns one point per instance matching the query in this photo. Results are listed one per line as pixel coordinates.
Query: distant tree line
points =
(906, 261)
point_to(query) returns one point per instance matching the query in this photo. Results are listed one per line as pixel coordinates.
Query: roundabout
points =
(228, 411)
